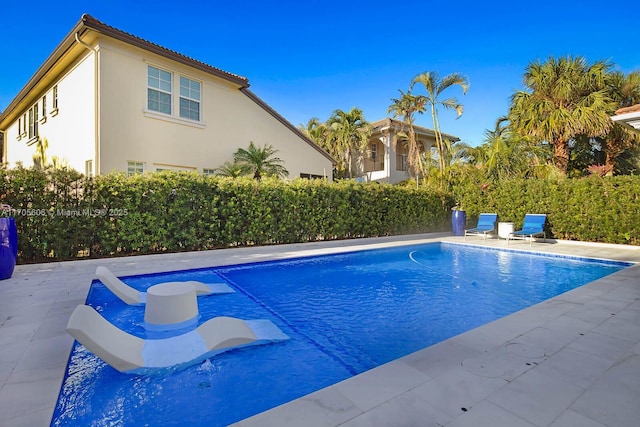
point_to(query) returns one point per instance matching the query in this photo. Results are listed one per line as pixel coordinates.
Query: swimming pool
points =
(345, 314)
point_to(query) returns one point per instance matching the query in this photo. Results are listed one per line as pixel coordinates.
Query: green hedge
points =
(589, 209)
(62, 215)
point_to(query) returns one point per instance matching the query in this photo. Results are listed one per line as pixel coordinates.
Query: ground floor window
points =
(88, 168)
(134, 168)
(310, 176)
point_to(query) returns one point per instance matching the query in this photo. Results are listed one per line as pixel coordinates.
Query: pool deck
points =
(573, 360)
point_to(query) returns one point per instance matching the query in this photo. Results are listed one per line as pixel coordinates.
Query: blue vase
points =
(458, 222)
(8, 247)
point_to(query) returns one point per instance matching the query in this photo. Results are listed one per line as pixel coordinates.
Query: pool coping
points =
(514, 371)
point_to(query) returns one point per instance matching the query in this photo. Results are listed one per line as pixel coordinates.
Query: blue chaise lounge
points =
(533, 226)
(486, 225)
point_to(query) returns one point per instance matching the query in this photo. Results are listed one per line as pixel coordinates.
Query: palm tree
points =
(230, 169)
(315, 130)
(625, 92)
(434, 88)
(349, 134)
(260, 161)
(564, 98)
(505, 155)
(405, 107)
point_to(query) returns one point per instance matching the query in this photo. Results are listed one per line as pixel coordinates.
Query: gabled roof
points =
(399, 125)
(89, 23)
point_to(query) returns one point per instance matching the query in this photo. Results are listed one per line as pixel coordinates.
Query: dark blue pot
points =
(8, 247)
(458, 222)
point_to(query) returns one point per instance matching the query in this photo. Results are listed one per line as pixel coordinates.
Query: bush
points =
(62, 215)
(590, 209)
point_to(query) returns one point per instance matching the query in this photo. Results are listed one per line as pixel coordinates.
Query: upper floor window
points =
(54, 101)
(159, 90)
(189, 99)
(374, 151)
(33, 122)
(44, 106)
(134, 168)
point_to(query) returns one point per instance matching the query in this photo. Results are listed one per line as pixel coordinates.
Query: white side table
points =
(504, 229)
(171, 305)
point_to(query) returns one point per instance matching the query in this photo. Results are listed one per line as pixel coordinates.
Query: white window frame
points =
(54, 101)
(44, 108)
(33, 123)
(208, 171)
(189, 94)
(151, 88)
(88, 168)
(135, 167)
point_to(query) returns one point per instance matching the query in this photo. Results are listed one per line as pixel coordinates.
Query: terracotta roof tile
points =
(631, 109)
(99, 26)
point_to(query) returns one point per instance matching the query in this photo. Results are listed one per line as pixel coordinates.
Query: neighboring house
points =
(386, 157)
(106, 100)
(629, 116)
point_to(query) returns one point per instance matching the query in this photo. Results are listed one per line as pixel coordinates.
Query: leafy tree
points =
(348, 135)
(564, 98)
(625, 92)
(405, 107)
(434, 86)
(258, 161)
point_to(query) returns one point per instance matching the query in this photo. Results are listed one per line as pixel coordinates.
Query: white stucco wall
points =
(229, 120)
(71, 131)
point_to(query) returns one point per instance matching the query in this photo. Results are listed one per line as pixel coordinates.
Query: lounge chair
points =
(533, 226)
(486, 225)
(133, 296)
(133, 355)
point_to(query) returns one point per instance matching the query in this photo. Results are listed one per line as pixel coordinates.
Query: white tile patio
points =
(572, 360)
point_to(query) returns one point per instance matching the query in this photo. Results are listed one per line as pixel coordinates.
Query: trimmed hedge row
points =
(591, 209)
(62, 215)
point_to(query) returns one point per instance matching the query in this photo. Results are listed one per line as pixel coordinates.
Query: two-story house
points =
(106, 100)
(386, 156)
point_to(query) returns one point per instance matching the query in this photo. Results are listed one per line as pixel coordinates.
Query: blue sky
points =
(308, 58)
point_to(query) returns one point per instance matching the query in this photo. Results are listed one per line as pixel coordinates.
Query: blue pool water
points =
(345, 314)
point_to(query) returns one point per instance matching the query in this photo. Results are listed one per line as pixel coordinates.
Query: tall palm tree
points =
(564, 98)
(434, 88)
(625, 92)
(405, 107)
(260, 161)
(349, 134)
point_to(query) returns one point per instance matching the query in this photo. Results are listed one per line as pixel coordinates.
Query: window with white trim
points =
(33, 122)
(189, 99)
(88, 168)
(159, 90)
(134, 168)
(44, 106)
(54, 100)
(207, 172)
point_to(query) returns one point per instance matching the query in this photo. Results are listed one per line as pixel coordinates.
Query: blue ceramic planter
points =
(8, 247)
(458, 222)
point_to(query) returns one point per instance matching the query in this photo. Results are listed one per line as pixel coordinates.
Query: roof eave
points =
(64, 46)
(286, 123)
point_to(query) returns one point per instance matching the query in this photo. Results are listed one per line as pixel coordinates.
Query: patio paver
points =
(571, 360)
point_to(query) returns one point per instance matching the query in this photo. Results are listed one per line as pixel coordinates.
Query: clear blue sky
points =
(307, 58)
